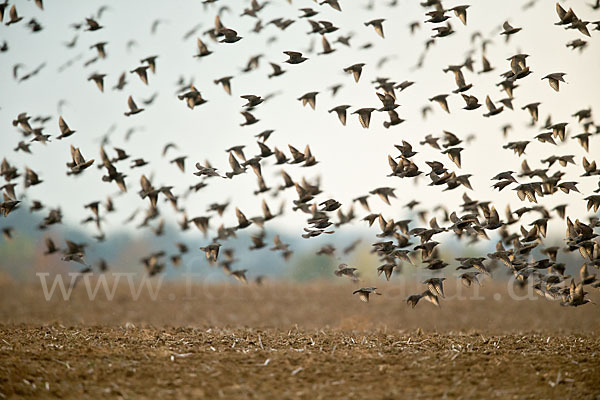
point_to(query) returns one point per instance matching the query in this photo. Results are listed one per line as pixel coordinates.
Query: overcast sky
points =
(352, 160)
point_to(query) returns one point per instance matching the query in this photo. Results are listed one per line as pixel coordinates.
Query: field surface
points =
(294, 341)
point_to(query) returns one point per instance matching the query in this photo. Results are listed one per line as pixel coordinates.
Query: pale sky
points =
(352, 160)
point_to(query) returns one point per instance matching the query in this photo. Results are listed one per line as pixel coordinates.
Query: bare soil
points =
(294, 341)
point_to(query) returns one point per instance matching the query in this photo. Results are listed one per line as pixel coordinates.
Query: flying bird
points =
(554, 79)
(364, 116)
(363, 293)
(133, 108)
(377, 24)
(294, 57)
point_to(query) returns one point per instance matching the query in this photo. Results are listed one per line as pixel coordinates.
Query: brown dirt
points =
(294, 341)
